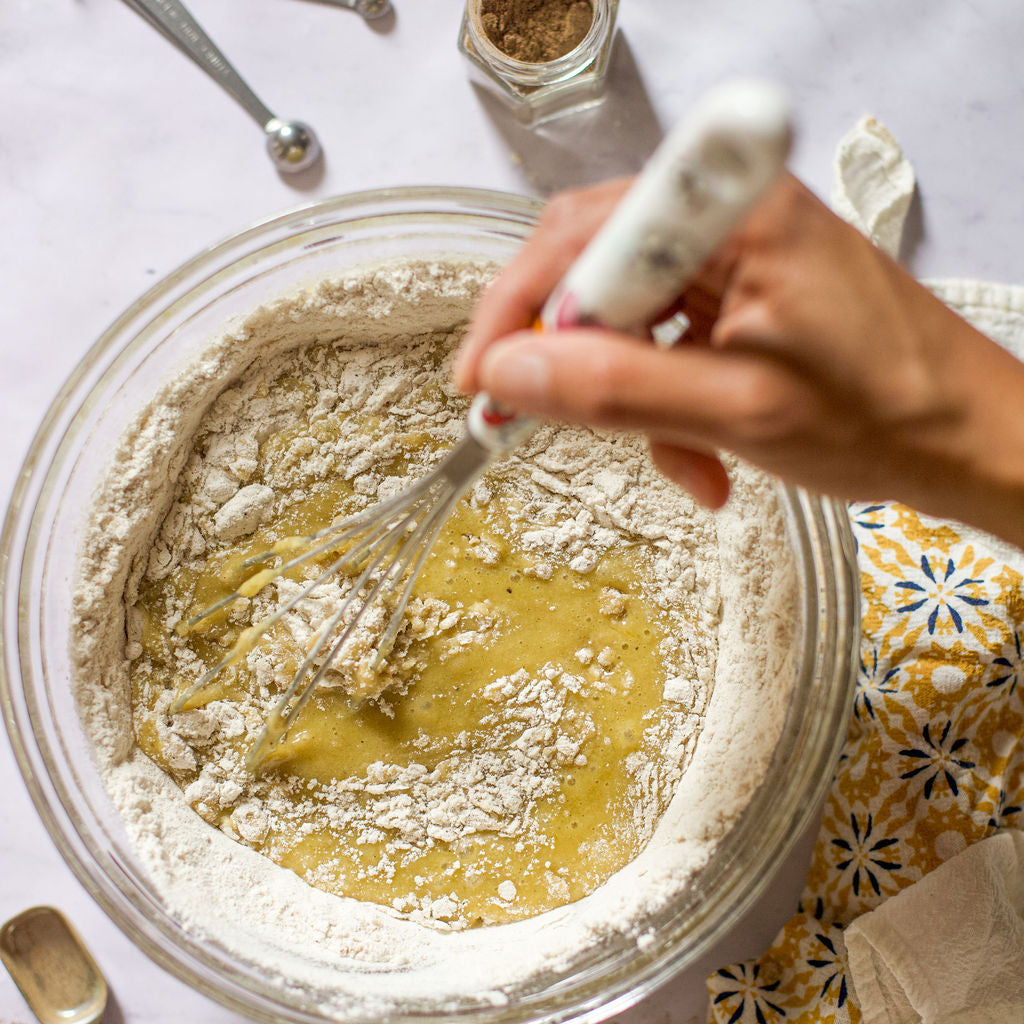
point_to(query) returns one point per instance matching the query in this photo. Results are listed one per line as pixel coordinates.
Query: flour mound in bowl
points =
(545, 758)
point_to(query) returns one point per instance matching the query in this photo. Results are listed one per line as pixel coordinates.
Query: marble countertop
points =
(119, 160)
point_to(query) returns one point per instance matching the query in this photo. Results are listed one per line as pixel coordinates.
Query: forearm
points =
(979, 479)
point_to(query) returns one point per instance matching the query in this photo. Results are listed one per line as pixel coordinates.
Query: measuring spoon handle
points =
(173, 20)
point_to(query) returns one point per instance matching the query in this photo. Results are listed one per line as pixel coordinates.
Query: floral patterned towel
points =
(934, 752)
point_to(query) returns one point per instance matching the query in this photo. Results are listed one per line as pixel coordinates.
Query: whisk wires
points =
(386, 543)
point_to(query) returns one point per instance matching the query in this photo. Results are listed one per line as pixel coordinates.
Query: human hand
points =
(810, 353)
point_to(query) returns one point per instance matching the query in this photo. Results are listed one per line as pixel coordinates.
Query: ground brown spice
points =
(536, 30)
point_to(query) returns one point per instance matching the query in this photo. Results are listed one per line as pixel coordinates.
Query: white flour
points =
(729, 573)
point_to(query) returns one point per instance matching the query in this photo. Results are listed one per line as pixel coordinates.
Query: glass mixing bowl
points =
(40, 541)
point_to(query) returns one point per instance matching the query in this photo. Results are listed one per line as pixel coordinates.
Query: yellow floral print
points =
(933, 759)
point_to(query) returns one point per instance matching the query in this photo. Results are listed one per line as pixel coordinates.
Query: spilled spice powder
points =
(536, 30)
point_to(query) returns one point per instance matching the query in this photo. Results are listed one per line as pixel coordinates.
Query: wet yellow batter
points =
(590, 641)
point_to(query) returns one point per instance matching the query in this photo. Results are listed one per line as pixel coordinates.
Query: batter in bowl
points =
(558, 677)
(515, 749)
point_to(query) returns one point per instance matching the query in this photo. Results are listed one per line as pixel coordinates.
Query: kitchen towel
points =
(948, 949)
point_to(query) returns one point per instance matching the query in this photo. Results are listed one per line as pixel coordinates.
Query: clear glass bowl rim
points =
(797, 778)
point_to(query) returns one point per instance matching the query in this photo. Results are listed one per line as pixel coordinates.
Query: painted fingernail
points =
(515, 373)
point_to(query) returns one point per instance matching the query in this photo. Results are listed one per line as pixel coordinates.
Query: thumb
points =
(611, 380)
(686, 396)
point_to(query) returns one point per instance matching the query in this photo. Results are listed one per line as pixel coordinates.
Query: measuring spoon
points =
(291, 144)
(369, 9)
(51, 966)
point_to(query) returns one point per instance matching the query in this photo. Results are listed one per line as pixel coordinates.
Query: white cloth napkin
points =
(948, 949)
(873, 183)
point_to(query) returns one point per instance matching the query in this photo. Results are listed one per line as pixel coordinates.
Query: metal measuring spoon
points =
(291, 144)
(51, 966)
(369, 9)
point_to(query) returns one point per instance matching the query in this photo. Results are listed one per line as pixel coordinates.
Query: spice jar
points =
(531, 55)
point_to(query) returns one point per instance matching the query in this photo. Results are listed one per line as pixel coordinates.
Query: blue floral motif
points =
(868, 681)
(836, 961)
(940, 591)
(1011, 669)
(818, 912)
(865, 856)
(1000, 812)
(859, 517)
(940, 758)
(748, 988)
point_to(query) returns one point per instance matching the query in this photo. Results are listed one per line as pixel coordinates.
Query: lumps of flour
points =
(246, 509)
(679, 690)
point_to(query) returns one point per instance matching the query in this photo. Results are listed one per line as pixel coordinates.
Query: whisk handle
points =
(698, 185)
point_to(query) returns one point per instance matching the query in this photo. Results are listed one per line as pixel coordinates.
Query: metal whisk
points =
(699, 183)
(390, 541)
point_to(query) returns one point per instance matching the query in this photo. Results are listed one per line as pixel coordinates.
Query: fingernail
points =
(515, 374)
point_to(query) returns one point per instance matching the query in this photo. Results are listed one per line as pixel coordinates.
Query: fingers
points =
(690, 395)
(702, 475)
(678, 397)
(569, 222)
(517, 295)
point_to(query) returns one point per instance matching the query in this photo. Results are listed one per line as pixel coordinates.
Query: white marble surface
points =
(119, 159)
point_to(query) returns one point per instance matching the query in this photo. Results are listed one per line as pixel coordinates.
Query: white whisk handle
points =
(700, 182)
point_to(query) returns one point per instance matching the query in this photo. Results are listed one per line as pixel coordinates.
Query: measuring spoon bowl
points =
(52, 968)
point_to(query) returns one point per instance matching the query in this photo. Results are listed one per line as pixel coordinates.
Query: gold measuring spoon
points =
(51, 966)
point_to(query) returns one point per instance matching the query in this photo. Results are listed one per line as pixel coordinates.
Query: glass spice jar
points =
(540, 90)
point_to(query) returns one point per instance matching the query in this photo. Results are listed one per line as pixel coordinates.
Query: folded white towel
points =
(873, 183)
(948, 949)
